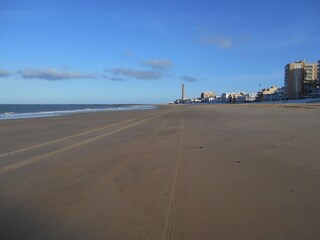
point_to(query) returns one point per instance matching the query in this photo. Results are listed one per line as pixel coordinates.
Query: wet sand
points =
(178, 172)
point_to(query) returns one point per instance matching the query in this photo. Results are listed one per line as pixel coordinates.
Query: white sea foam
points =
(12, 115)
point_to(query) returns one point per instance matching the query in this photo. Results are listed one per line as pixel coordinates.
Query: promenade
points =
(243, 172)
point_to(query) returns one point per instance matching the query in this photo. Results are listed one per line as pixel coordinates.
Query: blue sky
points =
(142, 51)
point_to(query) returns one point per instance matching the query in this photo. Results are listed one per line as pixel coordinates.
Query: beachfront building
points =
(250, 97)
(225, 97)
(217, 99)
(310, 80)
(196, 100)
(205, 95)
(233, 97)
(276, 96)
(293, 80)
(208, 97)
(300, 79)
(269, 94)
(318, 71)
(270, 90)
(318, 84)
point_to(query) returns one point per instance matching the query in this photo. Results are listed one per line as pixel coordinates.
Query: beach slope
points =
(177, 172)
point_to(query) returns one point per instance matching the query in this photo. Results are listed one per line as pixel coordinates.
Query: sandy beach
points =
(177, 172)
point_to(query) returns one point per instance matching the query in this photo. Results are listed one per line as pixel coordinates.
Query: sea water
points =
(18, 111)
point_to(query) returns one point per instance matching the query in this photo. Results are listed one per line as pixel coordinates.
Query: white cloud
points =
(189, 79)
(115, 79)
(160, 64)
(138, 74)
(4, 73)
(52, 74)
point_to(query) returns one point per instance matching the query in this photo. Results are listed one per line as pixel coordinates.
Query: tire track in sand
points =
(73, 146)
(173, 224)
(126, 163)
(65, 138)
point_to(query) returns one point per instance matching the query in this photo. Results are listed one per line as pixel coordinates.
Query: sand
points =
(177, 172)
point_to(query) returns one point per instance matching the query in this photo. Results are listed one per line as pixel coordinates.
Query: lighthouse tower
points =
(182, 97)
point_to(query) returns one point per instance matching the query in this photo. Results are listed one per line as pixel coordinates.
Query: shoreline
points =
(60, 113)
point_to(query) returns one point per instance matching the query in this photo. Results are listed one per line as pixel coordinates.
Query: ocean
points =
(19, 111)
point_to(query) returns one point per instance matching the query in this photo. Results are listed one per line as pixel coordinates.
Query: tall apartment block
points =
(319, 72)
(300, 79)
(310, 79)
